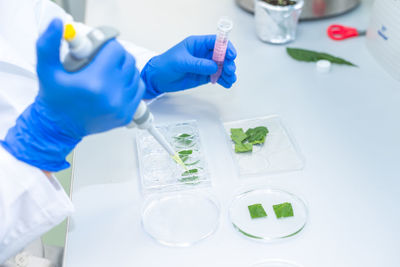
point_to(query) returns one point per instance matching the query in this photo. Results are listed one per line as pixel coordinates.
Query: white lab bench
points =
(346, 124)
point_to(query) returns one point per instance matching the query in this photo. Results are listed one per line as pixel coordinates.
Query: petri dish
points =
(180, 219)
(268, 228)
(279, 153)
(276, 263)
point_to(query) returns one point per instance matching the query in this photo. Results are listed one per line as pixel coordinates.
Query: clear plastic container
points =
(179, 209)
(279, 153)
(269, 228)
(159, 172)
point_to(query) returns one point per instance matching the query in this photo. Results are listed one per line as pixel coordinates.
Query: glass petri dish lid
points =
(269, 228)
(180, 219)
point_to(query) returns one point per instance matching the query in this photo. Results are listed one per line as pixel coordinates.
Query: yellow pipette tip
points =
(179, 161)
(69, 32)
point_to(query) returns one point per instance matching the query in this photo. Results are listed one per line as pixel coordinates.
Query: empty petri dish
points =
(180, 219)
(276, 263)
(267, 228)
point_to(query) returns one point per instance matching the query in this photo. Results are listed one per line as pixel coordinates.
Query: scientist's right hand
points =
(101, 96)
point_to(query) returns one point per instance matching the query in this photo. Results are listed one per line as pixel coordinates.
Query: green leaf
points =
(189, 172)
(184, 139)
(193, 163)
(312, 56)
(283, 210)
(184, 158)
(185, 152)
(238, 135)
(190, 180)
(243, 148)
(256, 135)
(257, 211)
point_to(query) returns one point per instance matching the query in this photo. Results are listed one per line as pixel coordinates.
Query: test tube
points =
(221, 43)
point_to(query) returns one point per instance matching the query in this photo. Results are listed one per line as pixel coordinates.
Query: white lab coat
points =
(30, 203)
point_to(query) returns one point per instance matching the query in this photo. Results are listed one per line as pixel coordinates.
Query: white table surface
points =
(346, 124)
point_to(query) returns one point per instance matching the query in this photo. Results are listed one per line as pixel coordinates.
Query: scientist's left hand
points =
(187, 65)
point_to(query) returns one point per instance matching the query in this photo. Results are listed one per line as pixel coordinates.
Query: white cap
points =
(323, 66)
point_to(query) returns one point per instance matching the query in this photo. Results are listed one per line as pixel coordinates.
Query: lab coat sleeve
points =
(30, 204)
(142, 55)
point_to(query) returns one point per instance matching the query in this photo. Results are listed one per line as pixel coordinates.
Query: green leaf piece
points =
(243, 148)
(185, 152)
(185, 155)
(312, 56)
(189, 172)
(191, 180)
(193, 163)
(184, 139)
(244, 141)
(238, 135)
(256, 135)
(257, 211)
(184, 158)
(283, 210)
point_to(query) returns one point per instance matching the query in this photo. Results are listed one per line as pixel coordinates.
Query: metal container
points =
(277, 24)
(313, 9)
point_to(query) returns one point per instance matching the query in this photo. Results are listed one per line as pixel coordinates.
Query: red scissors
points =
(340, 32)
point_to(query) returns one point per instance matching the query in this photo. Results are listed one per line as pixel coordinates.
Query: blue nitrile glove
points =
(187, 65)
(101, 96)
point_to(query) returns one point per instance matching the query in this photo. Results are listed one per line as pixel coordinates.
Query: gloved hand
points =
(101, 96)
(187, 65)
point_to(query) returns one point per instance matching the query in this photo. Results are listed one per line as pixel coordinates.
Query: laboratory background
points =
(295, 165)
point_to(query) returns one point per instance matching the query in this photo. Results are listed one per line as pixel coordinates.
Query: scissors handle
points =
(340, 32)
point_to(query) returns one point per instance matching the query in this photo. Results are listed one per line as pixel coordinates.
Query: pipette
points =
(82, 48)
(221, 43)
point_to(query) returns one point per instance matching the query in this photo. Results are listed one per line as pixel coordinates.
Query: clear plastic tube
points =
(221, 43)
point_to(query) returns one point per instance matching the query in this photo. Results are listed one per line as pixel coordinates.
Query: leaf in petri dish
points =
(257, 211)
(192, 179)
(184, 139)
(185, 152)
(283, 210)
(243, 148)
(256, 135)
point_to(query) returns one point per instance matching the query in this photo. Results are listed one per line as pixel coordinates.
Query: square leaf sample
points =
(244, 141)
(283, 210)
(257, 211)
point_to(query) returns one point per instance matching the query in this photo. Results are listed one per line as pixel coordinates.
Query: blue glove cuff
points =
(151, 92)
(38, 141)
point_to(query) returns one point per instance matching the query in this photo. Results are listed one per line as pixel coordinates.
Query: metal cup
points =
(277, 24)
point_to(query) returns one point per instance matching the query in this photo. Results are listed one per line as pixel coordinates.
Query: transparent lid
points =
(267, 226)
(159, 172)
(278, 153)
(180, 218)
(225, 24)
